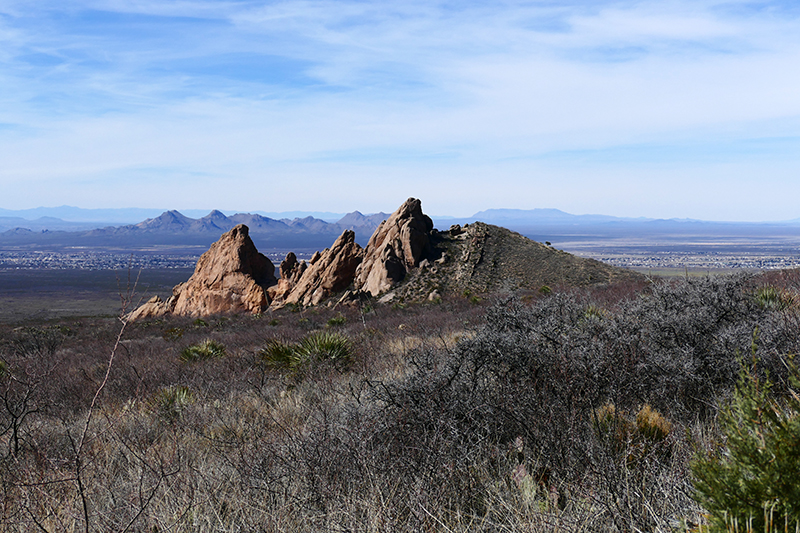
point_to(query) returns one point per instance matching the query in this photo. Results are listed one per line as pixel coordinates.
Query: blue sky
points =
(651, 108)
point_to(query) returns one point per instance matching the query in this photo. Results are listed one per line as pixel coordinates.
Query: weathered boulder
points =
(231, 277)
(397, 246)
(291, 271)
(330, 271)
(155, 307)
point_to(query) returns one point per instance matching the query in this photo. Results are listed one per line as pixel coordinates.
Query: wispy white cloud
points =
(246, 94)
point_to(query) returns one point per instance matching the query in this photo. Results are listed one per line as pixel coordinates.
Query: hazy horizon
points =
(329, 216)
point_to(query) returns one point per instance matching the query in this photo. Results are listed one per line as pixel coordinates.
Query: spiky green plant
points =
(169, 403)
(773, 298)
(208, 349)
(279, 354)
(316, 347)
(328, 346)
(338, 320)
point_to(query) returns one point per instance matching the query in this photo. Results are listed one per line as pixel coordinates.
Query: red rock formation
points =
(331, 271)
(231, 277)
(291, 271)
(155, 307)
(397, 246)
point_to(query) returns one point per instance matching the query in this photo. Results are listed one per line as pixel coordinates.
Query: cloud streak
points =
(110, 103)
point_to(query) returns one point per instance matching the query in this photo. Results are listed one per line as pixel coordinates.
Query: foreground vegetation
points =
(604, 410)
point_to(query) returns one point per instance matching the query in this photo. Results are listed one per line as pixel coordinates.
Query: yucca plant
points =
(279, 354)
(208, 349)
(169, 403)
(773, 298)
(321, 346)
(326, 346)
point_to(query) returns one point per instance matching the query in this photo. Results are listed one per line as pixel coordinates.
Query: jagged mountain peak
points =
(167, 218)
(216, 215)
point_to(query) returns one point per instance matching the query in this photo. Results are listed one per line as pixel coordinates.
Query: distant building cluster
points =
(104, 260)
(91, 261)
(99, 260)
(708, 260)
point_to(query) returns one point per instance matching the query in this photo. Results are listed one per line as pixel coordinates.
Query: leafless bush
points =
(449, 416)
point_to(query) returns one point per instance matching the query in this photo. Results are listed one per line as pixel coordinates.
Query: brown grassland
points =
(560, 410)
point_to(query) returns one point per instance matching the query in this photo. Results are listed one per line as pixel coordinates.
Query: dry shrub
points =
(570, 414)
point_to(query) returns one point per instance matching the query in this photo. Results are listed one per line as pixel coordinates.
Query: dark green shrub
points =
(33, 341)
(278, 354)
(172, 334)
(317, 347)
(208, 349)
(751, 482)
(338, 320)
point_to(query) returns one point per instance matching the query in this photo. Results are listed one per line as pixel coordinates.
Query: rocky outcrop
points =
(328, 272)
(474, 259)
(155, 307)
(397, 246)
(481, 259)
(291, 271)
(231, 277)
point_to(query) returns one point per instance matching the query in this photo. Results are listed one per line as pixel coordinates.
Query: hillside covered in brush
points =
(581, 410)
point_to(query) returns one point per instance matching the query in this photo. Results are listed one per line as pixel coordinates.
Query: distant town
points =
(99, 260)
(642, 261)
(708, 261)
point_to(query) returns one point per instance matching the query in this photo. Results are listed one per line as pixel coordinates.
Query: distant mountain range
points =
(175, 229)
(115, 217)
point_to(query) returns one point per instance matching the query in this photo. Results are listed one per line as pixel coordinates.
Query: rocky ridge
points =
(481, 258)
(406, 259)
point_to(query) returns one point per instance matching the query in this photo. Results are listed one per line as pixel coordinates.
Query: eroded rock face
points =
(397, 246)
(155, 307)
(291, 271)
(231, 277)
(329, 272)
